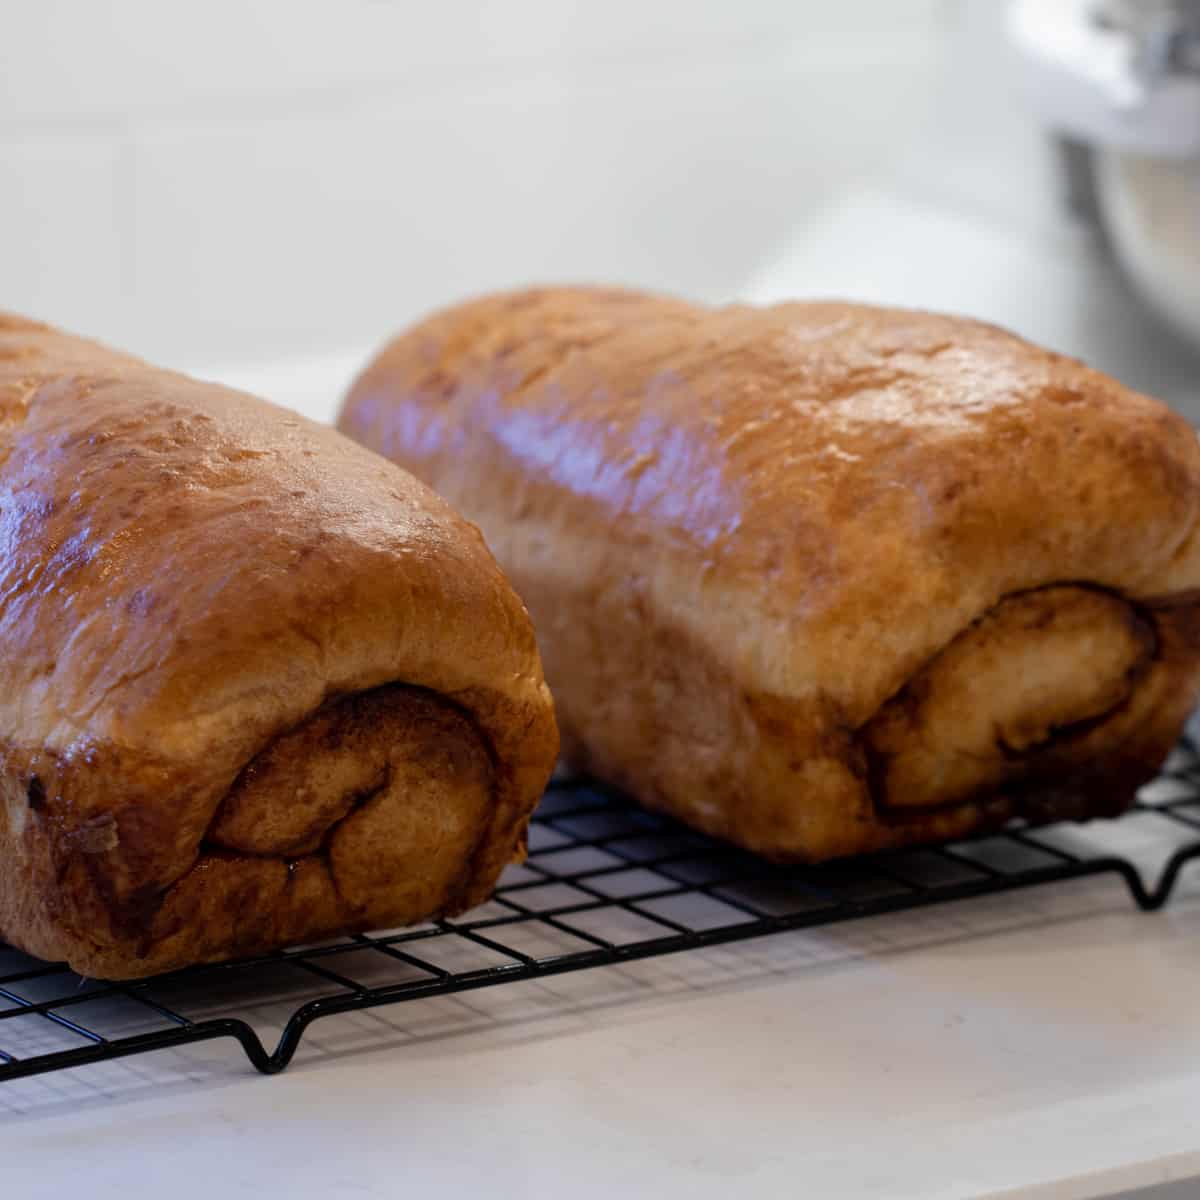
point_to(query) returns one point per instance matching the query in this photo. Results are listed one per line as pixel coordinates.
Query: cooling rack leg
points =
(1170, 876)
(167, 1039)
(301, 1019)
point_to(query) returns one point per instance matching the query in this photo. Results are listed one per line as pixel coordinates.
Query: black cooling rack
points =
(605, 882)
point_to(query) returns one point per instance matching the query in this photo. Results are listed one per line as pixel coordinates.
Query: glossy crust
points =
(819, 578)
(260, 685)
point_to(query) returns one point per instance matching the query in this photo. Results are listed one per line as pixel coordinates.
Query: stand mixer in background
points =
(1117, 82)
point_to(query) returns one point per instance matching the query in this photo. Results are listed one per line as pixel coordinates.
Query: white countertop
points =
(1043, 1045)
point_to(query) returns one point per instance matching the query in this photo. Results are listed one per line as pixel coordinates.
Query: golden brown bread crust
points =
(260, 684)
(767, 550)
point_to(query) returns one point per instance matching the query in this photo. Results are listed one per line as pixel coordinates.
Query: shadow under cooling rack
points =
(605, 882)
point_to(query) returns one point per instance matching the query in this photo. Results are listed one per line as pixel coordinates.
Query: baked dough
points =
(260, 686)
(819, 578)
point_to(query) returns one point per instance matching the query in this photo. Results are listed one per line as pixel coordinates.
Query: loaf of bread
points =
(260, 685)
(819, 578)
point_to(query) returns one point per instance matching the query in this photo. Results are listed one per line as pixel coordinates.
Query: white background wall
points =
(241, 179)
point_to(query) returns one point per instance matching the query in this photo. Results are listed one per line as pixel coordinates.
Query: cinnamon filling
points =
(391, 786)
(1029, 691)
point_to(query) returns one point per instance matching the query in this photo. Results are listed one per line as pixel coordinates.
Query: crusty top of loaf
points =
(186, 571)
(833, 490)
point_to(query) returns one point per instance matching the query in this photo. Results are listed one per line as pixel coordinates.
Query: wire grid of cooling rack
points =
(605, 882)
